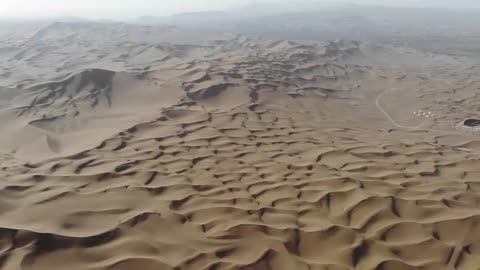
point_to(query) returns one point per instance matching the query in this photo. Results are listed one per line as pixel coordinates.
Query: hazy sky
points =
(108, 8)
(136, 8)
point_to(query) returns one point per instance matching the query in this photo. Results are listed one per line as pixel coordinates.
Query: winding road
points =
(377, 103)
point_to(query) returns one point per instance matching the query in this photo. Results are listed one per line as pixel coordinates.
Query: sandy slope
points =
(238, 153)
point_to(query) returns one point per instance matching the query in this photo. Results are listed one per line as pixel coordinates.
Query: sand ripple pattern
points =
(245, 190)
(233, 154)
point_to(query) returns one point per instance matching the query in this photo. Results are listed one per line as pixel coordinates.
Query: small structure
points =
(421, 113)
(470, 125)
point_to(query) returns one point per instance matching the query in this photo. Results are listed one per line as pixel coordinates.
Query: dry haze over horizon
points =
(128, 9)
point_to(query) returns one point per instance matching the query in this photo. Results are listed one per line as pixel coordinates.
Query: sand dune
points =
(236, 153)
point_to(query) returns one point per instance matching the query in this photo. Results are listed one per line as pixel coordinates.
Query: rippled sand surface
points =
(232, 152)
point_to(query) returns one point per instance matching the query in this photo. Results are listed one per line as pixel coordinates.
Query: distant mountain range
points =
(424, 28)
